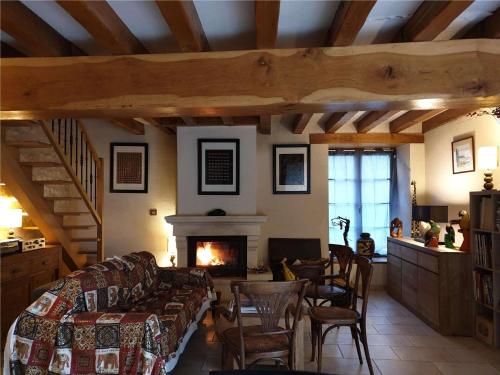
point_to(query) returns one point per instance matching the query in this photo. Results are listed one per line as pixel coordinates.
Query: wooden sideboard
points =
(21, 273)
(434, 283)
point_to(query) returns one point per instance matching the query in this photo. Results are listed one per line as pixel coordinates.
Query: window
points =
(359, 189)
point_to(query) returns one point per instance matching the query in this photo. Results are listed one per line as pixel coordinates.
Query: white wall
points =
(127, 224)
(442, 187)
(188, 200)
(293, 215)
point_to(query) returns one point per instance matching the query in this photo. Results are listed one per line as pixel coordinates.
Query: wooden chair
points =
(332, 288)
(272, 301)
(336, 317)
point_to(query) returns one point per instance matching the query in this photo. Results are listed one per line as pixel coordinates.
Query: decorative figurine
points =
(172, 260)
(432, 235)
(414, 223)
(423, 228)
(464, 223)
(396, 228)
(449, 237)
(345, 223)
(365, 245)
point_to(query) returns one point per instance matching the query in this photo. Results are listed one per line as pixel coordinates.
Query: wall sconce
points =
(488, 162)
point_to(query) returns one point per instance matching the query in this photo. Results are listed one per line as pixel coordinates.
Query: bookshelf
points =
(485, 246)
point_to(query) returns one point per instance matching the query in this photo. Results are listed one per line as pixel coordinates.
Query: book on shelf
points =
(483, 288)
(486, 217)
(482, 253)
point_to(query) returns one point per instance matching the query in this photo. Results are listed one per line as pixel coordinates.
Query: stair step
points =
(41, 163)
(71, 213)
(84, 239)
(28, 144)
(79, 226)
(54, 182)
(62, 198)
(87, 252)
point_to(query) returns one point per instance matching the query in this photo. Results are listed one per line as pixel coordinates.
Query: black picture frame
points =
(465, 146)
(114, 185)
(209, 173)
(299, 160)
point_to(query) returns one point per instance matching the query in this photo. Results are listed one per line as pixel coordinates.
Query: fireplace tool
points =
(342, 223)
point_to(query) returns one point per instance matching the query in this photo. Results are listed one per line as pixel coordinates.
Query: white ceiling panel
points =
(228, 25)
(146, 22)
(304, 24)
(64, 24)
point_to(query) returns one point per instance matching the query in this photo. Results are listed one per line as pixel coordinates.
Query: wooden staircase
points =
(57, 176)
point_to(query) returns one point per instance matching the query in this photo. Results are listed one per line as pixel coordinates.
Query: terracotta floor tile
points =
(393, 367)
(466, 369)
(408, 353)
(396, 340)
(376, 352)
(433, 342)
(341, 366)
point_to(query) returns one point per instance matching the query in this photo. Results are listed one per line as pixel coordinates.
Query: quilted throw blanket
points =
(123, 316)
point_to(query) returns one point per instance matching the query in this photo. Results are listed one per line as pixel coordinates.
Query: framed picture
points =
(219, 166)
(291, 169)
(463, 155)
(129, 168)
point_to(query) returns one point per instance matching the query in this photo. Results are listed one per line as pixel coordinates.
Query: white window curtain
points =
(360, 189)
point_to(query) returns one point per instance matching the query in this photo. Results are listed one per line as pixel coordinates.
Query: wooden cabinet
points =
(435, 284)
(20, 275)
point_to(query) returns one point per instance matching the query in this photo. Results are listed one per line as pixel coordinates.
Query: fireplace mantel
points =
(185, 226)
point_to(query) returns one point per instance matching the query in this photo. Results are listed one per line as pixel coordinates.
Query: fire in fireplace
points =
(221, 255)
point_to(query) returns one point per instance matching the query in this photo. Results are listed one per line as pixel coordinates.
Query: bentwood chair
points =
(336, 317)
(333, 288)
(249, 344)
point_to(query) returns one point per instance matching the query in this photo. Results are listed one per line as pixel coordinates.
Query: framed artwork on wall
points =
(218, 166)
(463, 155)
(128, 168)
(291, 169)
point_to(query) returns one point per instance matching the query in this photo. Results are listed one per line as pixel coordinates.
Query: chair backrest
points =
(345, 257)
(364, 271)
(270, 300)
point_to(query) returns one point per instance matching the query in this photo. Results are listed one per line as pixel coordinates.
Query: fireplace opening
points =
(220, 255)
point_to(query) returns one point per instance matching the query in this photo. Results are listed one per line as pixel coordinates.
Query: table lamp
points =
(488, 162)
(11, 218)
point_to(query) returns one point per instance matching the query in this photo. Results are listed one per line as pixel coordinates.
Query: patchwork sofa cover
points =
(122, 316)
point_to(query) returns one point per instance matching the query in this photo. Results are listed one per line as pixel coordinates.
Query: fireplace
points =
(220, 255)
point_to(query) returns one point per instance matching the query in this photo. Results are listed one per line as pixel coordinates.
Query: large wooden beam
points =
(336, 120)
(444, 117)
(183, 20)
(487, 28)
(130, 125)
(411, 118)
(349, 18)
(101, 21)
(300, 122)
(372, 119)
(35, 36)
(375, 77)
(369, 139)
(266, 23)
(431, 18)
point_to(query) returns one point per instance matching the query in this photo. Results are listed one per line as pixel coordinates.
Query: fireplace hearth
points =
(222, 256)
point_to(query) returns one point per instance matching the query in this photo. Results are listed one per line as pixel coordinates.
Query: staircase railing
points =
(70, 141)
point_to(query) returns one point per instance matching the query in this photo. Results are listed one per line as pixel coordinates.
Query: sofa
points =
(122, 316)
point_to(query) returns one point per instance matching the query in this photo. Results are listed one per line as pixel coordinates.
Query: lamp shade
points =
(487, 157)
(11, 218)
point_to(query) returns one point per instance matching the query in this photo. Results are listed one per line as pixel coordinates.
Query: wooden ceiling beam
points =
(337, 120)
(264, 126)
(372, 120)
(229, 83)
(130, 125)
(348, 21)
(300, 122)
(157, 124)
(182, 18)
(266, 23)
(430, 19)
(35, 36)
(411, 118)
(445, 117)
(369, 139)
(487, 28)
(227, 120)
(101, 21)
(6, 50)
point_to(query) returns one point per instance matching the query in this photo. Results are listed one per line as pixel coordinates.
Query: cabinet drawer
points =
(409, 255)
(394, 261)
(393, 249)
(14, 271)
(428, 262)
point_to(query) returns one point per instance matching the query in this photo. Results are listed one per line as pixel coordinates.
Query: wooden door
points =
(394, 276)
(409, 284)
(428, 295)
(15, 298)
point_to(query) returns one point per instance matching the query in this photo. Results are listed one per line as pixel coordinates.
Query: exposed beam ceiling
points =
(264, 126)
(369, 139)
(130, 125)
(382, 77)
(336, 120)
(266, 23)
(411, 118)
(6, 50)
(373, 119)
(348, 21)
(157, 124)
(32, 33)
(488, 28)
(183, 20)
(101, 21)
(444, 117)
(300, 122)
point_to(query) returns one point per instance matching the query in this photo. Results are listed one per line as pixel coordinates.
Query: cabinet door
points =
(428, 295)
(15, 298)
(394, 276)
(409, 287)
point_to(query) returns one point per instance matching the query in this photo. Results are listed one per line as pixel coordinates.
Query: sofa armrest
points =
(178, 276)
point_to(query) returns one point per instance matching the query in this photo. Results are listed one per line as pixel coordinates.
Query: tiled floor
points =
(399, 343)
